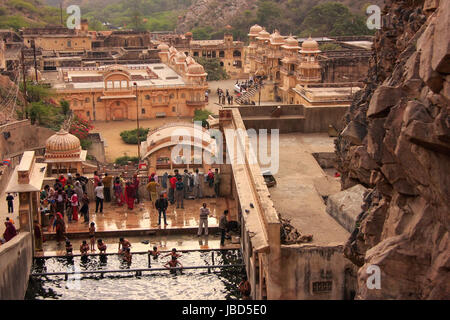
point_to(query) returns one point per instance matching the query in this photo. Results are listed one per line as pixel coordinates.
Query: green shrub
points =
(121, 161)
(130, 136)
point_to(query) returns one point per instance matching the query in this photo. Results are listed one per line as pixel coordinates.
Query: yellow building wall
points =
(72, 43)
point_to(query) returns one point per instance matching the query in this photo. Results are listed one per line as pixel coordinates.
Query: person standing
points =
(96, 179)
(130, 194)
(179, 192)
(161, 205)
(74, 203)
(118, 192)
(99, 197)
(203, 223)
(217, 183)
(85, 207)
(37, 235)
(60, 201)
(60, 227)
(223, 226)
(151, 187)
(136, 183)
(197, 186)
(186, 183)
(10, 201)
(92, 235)
(107, 184)
(79, 190)
(173, 181)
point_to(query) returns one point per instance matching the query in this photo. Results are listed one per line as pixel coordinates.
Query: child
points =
(101, 246)
(173, 263)
(127, 256)
(69, 248)
(155, 253)
(10, 200)
(173, 253)
(84, 248)
(92, 235)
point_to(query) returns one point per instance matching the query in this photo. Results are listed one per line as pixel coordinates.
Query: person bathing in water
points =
(123, 245)
(127, 256)
(84, 248)
(101, 246)
(173, 263)
(173, 253)
(155, 252)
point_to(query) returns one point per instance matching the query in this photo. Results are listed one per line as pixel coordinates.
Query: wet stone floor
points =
(145, 216)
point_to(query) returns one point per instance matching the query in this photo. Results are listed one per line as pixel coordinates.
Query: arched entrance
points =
(118, 111)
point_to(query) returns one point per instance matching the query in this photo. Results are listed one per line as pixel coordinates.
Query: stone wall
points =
(294, 118)
(22, 136)
(15, 265)
(317, 273)
(402, 150)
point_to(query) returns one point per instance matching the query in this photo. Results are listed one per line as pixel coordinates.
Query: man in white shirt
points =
(203, 223)
(99, 197)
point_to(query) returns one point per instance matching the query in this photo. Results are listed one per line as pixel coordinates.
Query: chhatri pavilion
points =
(63, 153)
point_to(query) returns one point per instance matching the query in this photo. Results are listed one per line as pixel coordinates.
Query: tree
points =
(334, 19)
(65, 107)
(213, 68)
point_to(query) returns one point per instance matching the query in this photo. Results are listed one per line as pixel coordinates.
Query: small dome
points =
(62, 145)
(276, 38)
(310, 46)
(188, 34)
(291, 43)
(196, 69)
(180, 57)
(263, 35)
(163, 47)
(254, 30)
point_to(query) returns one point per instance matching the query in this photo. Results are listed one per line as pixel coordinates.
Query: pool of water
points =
(155, 285)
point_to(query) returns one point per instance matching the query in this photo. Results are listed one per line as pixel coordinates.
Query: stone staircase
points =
(248, 95)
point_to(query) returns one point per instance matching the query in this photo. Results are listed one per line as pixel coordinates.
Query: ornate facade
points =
(173, 88)
(294, 72)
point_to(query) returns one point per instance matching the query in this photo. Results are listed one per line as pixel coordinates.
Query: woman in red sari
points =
(130, 194)
(118, 192)
(60, 227)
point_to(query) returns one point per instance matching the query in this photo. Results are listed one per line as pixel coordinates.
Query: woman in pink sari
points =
(130, 194)
(118, 192)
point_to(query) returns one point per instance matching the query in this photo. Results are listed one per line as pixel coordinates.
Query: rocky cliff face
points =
(397, 142)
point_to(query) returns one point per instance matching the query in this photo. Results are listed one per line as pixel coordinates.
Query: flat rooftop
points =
(92, 78)
(296, 196)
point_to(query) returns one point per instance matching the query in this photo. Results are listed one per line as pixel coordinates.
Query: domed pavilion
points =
(63, 153)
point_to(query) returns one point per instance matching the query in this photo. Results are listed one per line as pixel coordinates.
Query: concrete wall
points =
(317, 119)
(15, 265)
(305, 266)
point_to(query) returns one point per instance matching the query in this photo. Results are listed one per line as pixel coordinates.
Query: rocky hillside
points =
(218, 13)
(397, 142)
(17, 14)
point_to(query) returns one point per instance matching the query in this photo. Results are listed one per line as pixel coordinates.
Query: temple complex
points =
(301, 74)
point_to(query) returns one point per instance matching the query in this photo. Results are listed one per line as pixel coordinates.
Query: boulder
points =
(345, 206)
(384, 98)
